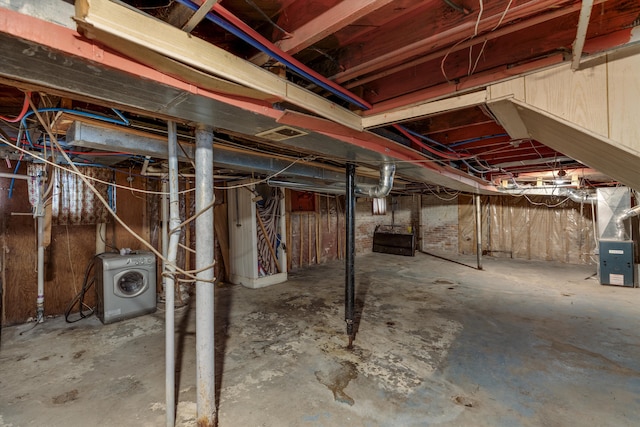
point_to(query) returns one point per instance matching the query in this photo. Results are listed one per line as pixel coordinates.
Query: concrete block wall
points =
(439, 224)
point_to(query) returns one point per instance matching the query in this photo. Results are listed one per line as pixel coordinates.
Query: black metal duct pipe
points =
(350, 239)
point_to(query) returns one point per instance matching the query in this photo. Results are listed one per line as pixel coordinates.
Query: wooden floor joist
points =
(133, 33)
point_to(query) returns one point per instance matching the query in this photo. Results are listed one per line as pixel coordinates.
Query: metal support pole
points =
(205, 362)
(350, 208)
(170, 269)
(478, 232)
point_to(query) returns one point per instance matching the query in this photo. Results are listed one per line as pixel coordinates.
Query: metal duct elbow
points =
(634, 211)
(384, 186)
(582, 196)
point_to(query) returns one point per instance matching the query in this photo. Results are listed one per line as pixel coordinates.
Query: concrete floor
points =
(519, 344)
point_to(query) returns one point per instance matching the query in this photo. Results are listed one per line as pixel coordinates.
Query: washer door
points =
(130, 283)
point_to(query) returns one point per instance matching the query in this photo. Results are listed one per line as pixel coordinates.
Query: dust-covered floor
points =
(519, 344)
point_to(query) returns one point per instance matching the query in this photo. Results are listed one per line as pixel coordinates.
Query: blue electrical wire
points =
(433, 141)
(261, 47)
(23, 125)
(480, 138)
(13, 180)
(121, 121)
(266, 49)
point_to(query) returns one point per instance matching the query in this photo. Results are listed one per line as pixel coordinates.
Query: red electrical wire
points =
(25, 108)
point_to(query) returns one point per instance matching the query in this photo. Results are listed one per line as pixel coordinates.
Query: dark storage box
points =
(393, 240)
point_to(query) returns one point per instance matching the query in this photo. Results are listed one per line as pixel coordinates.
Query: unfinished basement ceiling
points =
(385, 56)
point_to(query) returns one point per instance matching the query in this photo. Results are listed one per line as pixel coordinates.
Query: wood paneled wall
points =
(66, 258)
(316, 237)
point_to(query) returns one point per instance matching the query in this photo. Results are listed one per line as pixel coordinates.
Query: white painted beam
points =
(122, 28)
(581, 34)
(589, 148)
(411, 112)
(199, 15)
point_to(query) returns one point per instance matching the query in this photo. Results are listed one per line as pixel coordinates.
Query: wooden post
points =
(339, 230)
(328, 212)
(317, 238)
(301, 240)
(289, 241)
(309, 234)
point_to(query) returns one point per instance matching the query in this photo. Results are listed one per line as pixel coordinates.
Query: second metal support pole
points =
(170, 269)
(205, 301)
(350, 207)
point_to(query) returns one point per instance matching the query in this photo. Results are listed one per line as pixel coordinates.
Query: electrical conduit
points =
(170, 268)
(122, 120)
(39, 213)
(237, 27)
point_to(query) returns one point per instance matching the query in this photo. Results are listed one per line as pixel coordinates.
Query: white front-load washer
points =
(125, 285)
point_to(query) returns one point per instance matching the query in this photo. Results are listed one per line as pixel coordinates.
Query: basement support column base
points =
(205, 301)
(349, 301)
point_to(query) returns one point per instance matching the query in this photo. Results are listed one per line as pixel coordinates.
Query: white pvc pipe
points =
(39, 213)
(40, 299)
(101, 237)
(205, 299)
(164, 238)
(14, 175)
(172, 255)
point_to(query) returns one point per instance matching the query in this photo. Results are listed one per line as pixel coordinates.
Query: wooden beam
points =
(479, 131)
(331, 21)
(596, 151)
(376, 54)
(421, 110)
(194, 76)
(473, 82)
(199, 15)
(581, 34)
(507, 115)
(84, 70)
(413, 165)
(123, 28)
(506, 30)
